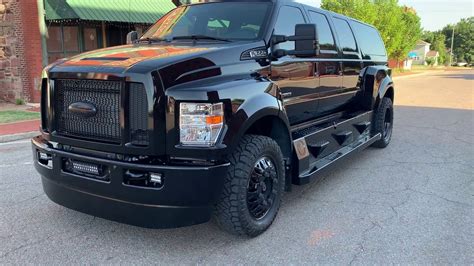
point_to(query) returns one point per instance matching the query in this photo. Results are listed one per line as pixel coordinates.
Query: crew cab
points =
(215, 111)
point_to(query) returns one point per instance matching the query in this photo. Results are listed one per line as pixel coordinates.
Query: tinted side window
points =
(287, 19)
(348, 43)
(369, 39)
(326, 39)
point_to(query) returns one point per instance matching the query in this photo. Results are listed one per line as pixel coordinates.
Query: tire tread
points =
(232, 205)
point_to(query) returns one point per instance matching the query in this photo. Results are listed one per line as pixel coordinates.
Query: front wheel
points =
(383, 123)
(253, 187)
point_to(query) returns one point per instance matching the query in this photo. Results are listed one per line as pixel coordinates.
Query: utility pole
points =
(452, 45)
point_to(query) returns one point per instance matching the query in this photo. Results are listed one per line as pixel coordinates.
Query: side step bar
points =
(333, 159)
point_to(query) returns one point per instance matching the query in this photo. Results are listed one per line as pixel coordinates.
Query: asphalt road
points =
(410, 203)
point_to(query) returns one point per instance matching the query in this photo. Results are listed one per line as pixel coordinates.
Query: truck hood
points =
(148, 57)
(129, 55)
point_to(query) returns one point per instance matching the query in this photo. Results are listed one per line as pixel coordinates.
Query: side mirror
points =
(132, 37)
(306, 42)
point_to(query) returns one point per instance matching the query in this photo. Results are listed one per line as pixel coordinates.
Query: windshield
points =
(226, 21)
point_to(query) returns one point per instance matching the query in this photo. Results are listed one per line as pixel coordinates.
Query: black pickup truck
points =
(215, 111)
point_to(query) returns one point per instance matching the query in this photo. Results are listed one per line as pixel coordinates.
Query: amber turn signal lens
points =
(214, 120)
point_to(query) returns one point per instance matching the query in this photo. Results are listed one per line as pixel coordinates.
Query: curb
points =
(409, 76)
(20, 136)
(19, 122)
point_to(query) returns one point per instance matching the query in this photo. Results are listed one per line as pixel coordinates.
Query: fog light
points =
(156, 178)
(45, 160)
(44, 156)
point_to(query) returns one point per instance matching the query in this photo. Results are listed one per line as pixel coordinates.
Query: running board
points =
(333, 159)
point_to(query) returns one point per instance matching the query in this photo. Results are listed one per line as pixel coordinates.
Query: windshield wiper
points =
(151, 40)
(200, 37)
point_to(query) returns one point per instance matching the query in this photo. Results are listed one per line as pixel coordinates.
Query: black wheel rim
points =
(388, 125)
(261, 191)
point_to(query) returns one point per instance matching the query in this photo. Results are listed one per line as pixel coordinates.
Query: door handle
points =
(286, 94)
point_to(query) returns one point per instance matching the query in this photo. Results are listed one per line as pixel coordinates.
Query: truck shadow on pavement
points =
(418, 120)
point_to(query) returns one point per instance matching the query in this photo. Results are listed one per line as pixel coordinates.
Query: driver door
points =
(294, 76)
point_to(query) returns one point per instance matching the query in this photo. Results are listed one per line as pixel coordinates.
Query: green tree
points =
(409, 33)
(463, 39)
(439, 44)
(430, 61)
(399, 26)
(428, 36)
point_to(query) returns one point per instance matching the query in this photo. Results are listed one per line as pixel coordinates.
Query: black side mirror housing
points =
(306, 42)
(132, 37)
(306, 39)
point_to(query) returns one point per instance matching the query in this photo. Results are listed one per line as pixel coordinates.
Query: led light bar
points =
(87, 168)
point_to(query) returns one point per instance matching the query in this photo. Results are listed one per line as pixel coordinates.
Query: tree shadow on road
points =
(458, 76)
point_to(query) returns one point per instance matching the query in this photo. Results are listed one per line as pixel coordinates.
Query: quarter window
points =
(288, 18)
(348, 43)
(369, 39)
(326, 39)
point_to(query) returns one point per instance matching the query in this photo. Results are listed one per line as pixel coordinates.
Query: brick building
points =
(20, 44)
(34, 33)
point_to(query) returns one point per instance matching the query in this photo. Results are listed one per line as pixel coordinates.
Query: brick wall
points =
(20, 50)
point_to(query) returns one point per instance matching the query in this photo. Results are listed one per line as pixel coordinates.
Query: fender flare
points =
(376, 82)
(253, 110)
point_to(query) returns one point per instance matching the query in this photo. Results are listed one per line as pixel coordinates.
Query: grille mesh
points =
(104, 95)
(138, 113)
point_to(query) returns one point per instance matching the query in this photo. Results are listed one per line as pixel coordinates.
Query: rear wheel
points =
(383, 123)
(253, 187)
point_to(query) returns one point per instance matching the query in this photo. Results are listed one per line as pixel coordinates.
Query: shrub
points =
(19, 101)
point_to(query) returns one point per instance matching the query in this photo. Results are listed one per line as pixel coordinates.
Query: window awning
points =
(134, 11)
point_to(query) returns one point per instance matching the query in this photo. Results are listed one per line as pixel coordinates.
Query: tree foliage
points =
(430, 61)
(399, 26)
(463, 48)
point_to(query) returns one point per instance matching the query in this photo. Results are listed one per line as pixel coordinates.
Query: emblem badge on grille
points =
(84, 109)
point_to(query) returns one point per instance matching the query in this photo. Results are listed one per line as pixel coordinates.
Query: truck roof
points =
(288, 1)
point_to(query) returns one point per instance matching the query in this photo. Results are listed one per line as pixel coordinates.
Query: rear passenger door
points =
(293, 75)
(351, 61)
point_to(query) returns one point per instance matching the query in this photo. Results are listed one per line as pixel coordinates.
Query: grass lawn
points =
(15, 116)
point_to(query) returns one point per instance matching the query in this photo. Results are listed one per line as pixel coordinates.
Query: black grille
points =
(138, 114)
(44, 105)
(104, 95)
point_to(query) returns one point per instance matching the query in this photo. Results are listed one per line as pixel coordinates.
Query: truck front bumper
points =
(186, 196)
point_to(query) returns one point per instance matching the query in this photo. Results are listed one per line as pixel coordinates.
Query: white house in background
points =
(418, 55)
(422, 52)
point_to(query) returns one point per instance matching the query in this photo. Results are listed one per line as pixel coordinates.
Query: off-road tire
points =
(379, 126)
(231, 212)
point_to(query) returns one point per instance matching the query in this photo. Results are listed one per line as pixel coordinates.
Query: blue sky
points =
(435, 14)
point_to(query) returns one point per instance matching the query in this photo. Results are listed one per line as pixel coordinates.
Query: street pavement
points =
(409, 203)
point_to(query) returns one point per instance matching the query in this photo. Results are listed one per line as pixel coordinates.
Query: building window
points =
(90, 39)
(55, 40)
(70, 40)
(63, 41)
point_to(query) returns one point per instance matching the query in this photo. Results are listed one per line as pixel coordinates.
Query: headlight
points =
(200, 123)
